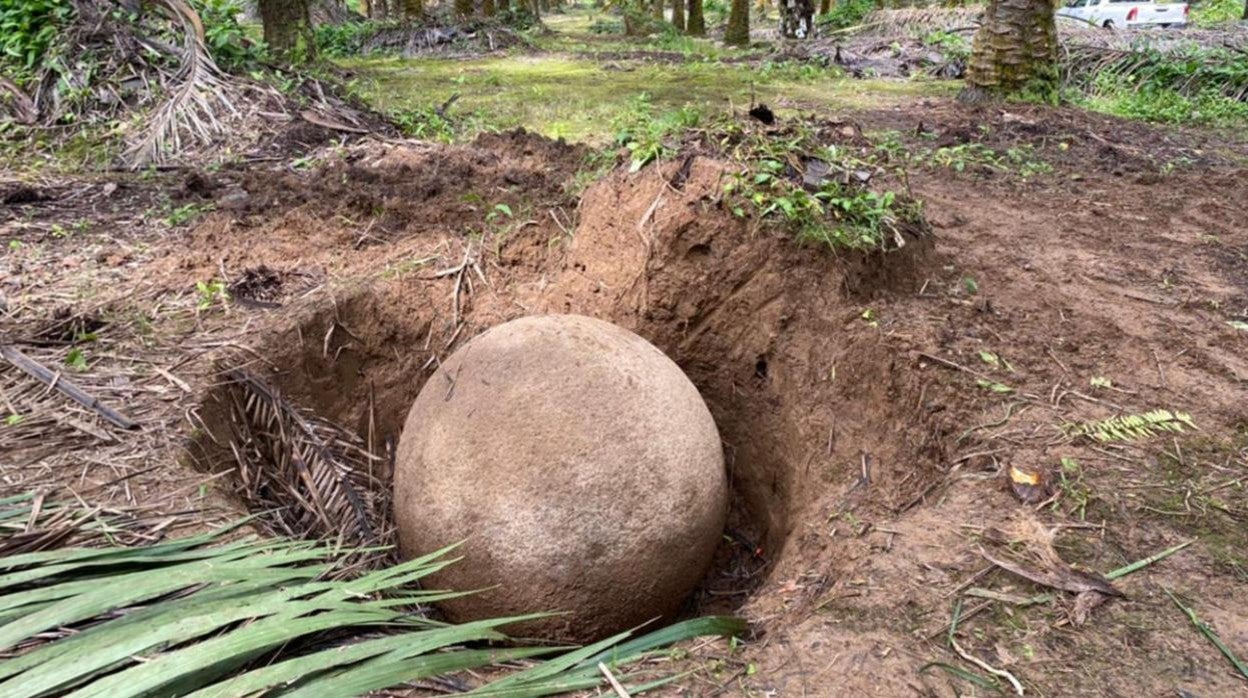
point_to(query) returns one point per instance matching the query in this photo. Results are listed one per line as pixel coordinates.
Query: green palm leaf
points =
(256, 617)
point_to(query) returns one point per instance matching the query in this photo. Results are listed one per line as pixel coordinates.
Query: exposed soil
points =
(868, 447)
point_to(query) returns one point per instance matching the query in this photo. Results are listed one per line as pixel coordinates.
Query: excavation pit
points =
(770, 333)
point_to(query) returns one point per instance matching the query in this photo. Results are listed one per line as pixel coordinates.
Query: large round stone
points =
(579, 465)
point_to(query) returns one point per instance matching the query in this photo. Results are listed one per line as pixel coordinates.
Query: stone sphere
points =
(580, 467)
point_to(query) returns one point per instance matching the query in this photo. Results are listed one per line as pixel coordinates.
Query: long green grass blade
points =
(385, 672)
(550, 668)
(1211, 636)
(98, 564)
(968, 676)
(403, 645)
(210, 660)
(76, 554)
(579, 669)
(723, 626)
(92, 598)
(62, 664)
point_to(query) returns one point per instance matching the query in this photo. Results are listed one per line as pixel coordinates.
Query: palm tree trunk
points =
(797, 19)
(738, 31)
(285, 23)
(1014, 50)
(696, 25)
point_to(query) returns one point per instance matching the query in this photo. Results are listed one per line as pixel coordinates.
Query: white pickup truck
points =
(1116, 14)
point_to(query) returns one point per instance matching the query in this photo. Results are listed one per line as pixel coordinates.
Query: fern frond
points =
(1133, 427)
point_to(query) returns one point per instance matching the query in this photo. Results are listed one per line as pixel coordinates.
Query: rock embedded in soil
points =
(581, 468)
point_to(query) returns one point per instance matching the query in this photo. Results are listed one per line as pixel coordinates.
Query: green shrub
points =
(952, 45)
(1208, 13)
(346, 39)
(27, 30)
(518, 18)
(1150, 102)
(846, 13)
(225, 37)
(646, 134)
(607, 26)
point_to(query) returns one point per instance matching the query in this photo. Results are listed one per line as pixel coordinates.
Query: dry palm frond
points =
(259, 617)
(192, 106)
(316, 479)
(29, 523)
(1186, 71)
(922, 20)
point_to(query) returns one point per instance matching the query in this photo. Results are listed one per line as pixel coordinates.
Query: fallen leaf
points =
(1030, 485)
(1064, 577)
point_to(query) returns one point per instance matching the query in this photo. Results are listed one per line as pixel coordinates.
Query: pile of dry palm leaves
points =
(151, 76)
(32, 523)
(306, 476)
(1184, 68)
(473, 38)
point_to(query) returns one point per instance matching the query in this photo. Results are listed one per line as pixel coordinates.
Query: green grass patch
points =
(1210, 13)
(580, 99)
(1209, 107)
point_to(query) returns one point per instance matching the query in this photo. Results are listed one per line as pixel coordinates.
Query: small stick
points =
(971, 580)
(41, 373)
(619, 690)
(957, 367)
(1089, 398)
(1018, 687)
(177, 382)
(1056, 360)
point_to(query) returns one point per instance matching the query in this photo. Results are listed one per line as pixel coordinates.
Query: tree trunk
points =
(413, 9)
(825, 6)
(285, 23)
(797, 19)
(1014, 50)
(1245, 9)
(678, 15)
(738, 31)
(463, 10)
(696, 25)
(330, 12)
